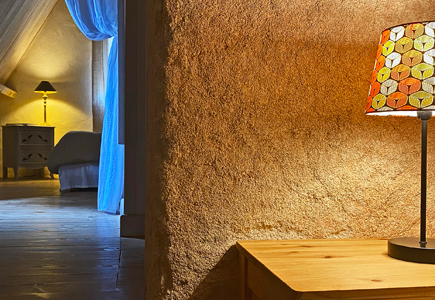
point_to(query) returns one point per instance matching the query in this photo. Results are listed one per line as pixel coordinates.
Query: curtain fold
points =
(98, 20)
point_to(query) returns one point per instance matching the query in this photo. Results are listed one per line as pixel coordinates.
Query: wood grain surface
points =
(334, 269)
(58, 246)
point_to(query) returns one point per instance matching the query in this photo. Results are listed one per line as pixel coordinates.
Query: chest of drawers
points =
(26, 146)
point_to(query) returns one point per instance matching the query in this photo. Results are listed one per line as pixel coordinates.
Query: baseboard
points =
(133, 226)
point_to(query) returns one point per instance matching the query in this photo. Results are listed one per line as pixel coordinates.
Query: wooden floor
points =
(57, 246)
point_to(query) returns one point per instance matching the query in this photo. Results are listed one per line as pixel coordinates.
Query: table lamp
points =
(45, 88)
(403, 84)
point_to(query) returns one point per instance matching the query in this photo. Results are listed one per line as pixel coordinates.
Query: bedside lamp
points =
(45, 88)
(403, 84)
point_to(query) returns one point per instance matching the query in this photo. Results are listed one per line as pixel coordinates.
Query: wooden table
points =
(330, 269)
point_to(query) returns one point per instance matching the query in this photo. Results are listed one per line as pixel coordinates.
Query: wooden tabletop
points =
(336, 265)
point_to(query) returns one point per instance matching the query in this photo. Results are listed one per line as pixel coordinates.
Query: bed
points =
(76, 159)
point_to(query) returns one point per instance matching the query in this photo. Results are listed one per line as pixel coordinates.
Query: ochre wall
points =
(61, 54)
(257, 111)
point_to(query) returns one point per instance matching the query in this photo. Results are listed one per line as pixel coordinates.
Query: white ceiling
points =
(20, 21)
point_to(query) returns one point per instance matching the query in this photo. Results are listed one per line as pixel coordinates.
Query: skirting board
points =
(133, 226)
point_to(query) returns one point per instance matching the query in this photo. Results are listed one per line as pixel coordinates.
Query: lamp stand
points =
(413, 249)
(45, 111)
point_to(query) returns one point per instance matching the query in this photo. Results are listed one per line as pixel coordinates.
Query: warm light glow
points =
(403, 81)
(45, 88)
(60, 113)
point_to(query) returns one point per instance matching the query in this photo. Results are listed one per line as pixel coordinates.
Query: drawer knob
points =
(28, 138)
(28, 157)
(40, 155)
(44, 140)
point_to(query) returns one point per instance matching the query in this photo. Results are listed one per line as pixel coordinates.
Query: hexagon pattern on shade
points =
(403, 81)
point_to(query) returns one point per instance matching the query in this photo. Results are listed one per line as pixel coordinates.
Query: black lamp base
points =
(409, 249)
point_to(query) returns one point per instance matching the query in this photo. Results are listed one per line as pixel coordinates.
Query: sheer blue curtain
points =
(98, 20)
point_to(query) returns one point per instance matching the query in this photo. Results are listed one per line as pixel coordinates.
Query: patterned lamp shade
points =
(403, 81)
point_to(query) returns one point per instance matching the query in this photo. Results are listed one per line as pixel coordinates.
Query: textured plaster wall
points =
(261, 134)
(61, 54)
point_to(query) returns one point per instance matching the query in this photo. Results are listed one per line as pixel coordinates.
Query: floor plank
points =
(58, 246)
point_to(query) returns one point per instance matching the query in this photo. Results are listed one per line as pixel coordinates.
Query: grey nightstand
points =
(26, 146)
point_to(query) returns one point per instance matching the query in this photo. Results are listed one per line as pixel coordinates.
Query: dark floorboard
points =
(58, 246)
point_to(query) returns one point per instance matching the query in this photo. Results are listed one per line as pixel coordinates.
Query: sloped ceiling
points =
(20, 22)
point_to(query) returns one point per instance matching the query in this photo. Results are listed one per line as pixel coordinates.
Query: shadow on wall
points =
(222, 282)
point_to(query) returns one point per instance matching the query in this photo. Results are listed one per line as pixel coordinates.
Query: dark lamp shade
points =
(45, 87)
(403, 80)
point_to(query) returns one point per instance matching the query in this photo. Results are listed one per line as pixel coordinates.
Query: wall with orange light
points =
(256, 130)
(61, 54)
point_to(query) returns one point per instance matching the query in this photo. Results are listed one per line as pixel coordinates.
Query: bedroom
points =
(40, 41)
(52, 49)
